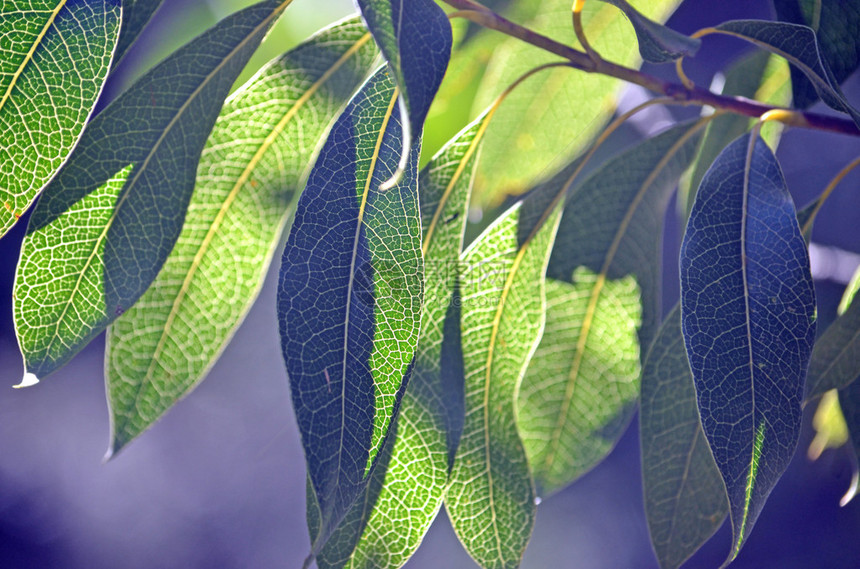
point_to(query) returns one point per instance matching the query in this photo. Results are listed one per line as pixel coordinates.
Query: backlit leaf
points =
(685, 499)
(837, 24)
(349, 298)
(491, 498)
(70, 287)
(835, 359)
(657, 43)
(135, 15)
(385, 526)
(799, 45)
(548, 119)
(580, 390)
(415, 37)
(54, 56)
(748, 317)
(250, 170)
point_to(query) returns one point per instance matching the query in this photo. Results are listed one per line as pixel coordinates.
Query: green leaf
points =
(491, 498)
(799, 45)
(580, 389)
(748, 314)
(835, 361)
(415, 37)
(135, 15)
(837, 24)
(67, 290)
(657, 43)
(54, 57)
(350, 297)
(250, 170)
(760, 76)
(550, 118)
(831, 430)
(386, 525)
(685, 499)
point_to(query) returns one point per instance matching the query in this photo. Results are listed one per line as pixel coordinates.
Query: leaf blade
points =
(135, 15)
(657, 43)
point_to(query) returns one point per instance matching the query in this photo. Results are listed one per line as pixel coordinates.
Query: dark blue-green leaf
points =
(657, 43)
(685, 499)
(135, 15)
(106, 223)
(349, 298)
(837, 24)
(748, 316)
(799, 45)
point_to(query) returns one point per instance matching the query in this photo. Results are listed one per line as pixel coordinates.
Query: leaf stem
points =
(691, 94)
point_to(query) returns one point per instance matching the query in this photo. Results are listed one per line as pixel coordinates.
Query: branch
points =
(485, 17)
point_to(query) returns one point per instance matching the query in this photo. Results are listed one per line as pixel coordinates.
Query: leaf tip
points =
(28, 380)
(852, 490)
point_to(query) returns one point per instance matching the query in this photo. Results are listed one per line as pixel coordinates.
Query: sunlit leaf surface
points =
(68, 289)
(350, 297)
(250, 170)
(54, 56)
(748, 317)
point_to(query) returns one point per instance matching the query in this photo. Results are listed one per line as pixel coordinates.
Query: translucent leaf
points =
(68, 289)
(54, 56)
(386, 525)
(657, 43)
(350, 297)
(685, 500)
(551, 117)
(829, 424)
(250, 170)
(580, 390)
(799, 45)
(135, 15)
(748, 316)
(837, 24)
(491, 498)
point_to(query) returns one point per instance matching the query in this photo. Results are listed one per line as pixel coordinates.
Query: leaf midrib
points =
(138, 170)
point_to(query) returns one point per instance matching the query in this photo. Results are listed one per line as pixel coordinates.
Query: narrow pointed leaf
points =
(799, 45)
(415, 37)
(657, 43)
(550, 118)
(837, 24)
(385, 526)
(748, 317)
(135, 15)
(54, 57)
(581, 386)
(491, 498)
(685, 499)
(67, 290)
(835, 361)
(349, 299)
(250, 170)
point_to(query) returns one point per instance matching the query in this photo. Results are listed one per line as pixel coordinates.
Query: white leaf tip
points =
(28, 380)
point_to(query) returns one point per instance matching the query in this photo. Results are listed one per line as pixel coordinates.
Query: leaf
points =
(580, 390)
(386, 525)
(837, 25)
(349, 299)
(835, 361)
(685, 499)
(55, 57)
(415, 37)
(249, 172)
(135, 15)
(67, 290)
(748, 315)
(657, 43)
(799, 45)
(760, 76)
(829, 424)
(491, 498)
(546, 121)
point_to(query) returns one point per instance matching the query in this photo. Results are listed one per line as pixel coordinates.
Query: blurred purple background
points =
(219, 482)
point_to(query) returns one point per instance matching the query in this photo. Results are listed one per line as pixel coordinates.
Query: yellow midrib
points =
(555, 439)
(29, 57)
(142, 167)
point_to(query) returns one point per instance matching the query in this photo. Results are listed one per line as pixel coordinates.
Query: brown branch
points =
(485, 17)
